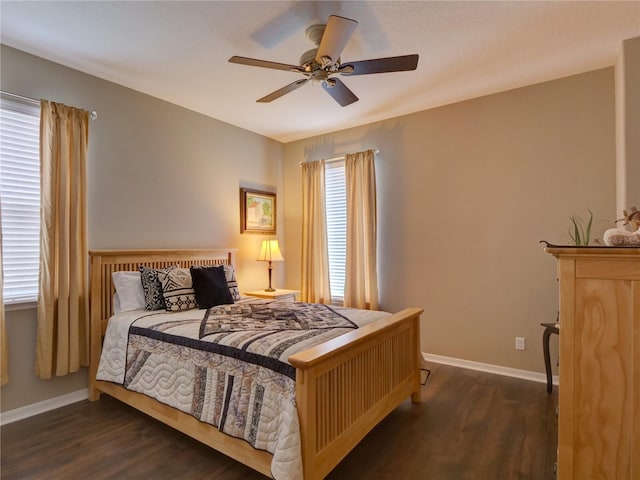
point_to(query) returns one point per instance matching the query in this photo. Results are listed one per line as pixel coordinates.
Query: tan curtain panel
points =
(62, 331)
(4, 349)
(315, 252)
(361, 276)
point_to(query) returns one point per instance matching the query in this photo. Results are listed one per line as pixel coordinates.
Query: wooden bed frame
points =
(344, 387)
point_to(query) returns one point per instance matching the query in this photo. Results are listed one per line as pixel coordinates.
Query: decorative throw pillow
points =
(177, 290)
(232, 283)
(210, 286)
(129, 292)
(153, 299)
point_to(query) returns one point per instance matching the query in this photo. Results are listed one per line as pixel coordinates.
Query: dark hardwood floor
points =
(471, 425)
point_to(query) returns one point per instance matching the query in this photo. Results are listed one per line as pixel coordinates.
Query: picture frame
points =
(257, 211)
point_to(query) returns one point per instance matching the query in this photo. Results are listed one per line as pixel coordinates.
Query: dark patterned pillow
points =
(232, 283)
(210, 286)
(177, 290)
(153, 299)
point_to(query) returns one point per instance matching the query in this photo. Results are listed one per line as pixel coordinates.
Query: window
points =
(20, 198)
(336, 208)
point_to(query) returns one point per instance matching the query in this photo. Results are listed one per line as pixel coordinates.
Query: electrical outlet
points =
(520, 345)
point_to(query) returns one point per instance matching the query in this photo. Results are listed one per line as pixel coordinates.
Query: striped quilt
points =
(227, 366)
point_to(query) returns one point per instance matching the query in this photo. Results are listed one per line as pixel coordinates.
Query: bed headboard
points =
(104, 262)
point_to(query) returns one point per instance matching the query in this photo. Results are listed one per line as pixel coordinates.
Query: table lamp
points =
(270, 252)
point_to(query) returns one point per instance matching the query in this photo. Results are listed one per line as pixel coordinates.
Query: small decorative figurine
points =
(632, 219)
(622, 237)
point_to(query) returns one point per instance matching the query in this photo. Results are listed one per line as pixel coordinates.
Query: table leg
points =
(547, 358)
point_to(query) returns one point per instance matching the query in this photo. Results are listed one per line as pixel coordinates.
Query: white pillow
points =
(129, 291)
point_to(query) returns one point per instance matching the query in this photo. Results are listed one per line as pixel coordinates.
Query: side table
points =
(279, 294)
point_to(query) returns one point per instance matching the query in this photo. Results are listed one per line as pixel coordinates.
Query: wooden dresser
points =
(599, 414)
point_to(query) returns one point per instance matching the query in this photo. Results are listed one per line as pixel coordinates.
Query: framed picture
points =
(257, 212)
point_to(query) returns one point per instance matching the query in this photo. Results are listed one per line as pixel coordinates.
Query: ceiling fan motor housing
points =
(317, 71)
(308, 58)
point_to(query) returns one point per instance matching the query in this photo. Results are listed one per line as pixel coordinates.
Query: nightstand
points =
(280, 294)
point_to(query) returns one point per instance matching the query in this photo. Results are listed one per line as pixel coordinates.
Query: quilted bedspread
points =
(227, 366)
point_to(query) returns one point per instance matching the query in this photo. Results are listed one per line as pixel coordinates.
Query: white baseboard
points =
(21, 413)
(489, 368)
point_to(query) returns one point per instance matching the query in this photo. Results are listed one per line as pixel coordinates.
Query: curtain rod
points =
(335, 159)
(92, 114)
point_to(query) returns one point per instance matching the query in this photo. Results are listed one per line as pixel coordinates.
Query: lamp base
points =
(269, 288)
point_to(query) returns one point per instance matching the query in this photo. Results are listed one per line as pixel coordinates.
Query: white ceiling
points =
(178, 51)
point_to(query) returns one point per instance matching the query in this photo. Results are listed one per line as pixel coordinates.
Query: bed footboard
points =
(348, 385)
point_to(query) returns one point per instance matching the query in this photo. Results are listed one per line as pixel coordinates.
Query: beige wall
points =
(159, 176)
(628, 126)
(466, 191)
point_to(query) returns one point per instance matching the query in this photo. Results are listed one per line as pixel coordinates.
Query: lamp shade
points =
(270, 251)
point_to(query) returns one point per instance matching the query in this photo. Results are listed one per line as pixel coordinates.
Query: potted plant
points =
(581, 232)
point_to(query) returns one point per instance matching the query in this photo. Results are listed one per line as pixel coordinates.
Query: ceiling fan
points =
(322, 63)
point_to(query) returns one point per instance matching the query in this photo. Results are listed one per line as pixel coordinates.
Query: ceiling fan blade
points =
(381, 65)
(335, 37)
(283, 91)
(339, 91)
(252, 62)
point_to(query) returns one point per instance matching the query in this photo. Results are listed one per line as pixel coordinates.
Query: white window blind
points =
(20, 197)
(336, 207)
